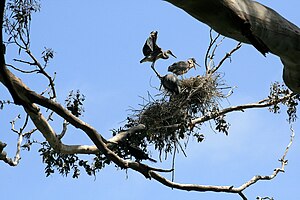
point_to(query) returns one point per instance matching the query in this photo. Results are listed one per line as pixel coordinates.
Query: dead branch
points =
(227, 55)
(227, 189)
(264, 198)
(22, 71)
(210, 46)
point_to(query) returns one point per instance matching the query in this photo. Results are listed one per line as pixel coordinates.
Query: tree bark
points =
(251, 22)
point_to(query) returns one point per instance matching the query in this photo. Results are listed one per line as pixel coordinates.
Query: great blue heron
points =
(171, 83)
(251, 22)
(182, 67)
(152, 51)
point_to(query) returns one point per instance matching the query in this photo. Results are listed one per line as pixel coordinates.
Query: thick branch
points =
(124, 134)
(5, 158)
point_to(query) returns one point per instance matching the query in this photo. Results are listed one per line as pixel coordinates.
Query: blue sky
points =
(98, 48)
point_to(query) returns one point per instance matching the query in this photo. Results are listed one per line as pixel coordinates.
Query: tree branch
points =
(30, 100)
(276, 171)
(5, 158)
(124, 134)
(227, 189)
(227, 55)
(211, 43)
(261, 104)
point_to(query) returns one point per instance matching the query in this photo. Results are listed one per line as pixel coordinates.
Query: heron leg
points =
(153, 68)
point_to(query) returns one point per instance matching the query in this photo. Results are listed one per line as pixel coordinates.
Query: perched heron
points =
(253, 23)
(182, 67)
(171, 83)
(152, 51)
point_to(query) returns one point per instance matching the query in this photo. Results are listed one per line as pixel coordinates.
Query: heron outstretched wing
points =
(150, 45)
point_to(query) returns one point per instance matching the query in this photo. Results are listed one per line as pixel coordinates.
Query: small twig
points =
(13, 122)
(227, 55)
(211, 43)
(264, 198)
(230, 92)
(173, 162)
(42, 71)
(181, 148)
(23, 71)
(24, 61)
(213, 52)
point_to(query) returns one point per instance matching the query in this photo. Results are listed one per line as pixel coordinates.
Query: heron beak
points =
(197, 65)
(172, 55)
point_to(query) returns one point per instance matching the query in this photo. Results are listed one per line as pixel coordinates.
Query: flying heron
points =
(182, 67)
(152, 51)
(171, 83)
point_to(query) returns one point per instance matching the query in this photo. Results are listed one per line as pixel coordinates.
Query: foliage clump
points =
(74, 103)
(278, 91)
(67, 163)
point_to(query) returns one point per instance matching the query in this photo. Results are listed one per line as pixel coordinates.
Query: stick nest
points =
(168, 119)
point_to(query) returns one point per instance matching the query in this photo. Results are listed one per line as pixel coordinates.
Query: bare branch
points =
(5, 158)
(276, 171)
(264, 198)
(227, 189)
(23, 71)
(227, 55)
(17, 157)
(64, 130)
(261, 104)
(42, 71)
(24, 61)
(243, 196)
(192, 187)
(211, 43)
(13, 122)
(3, 155)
